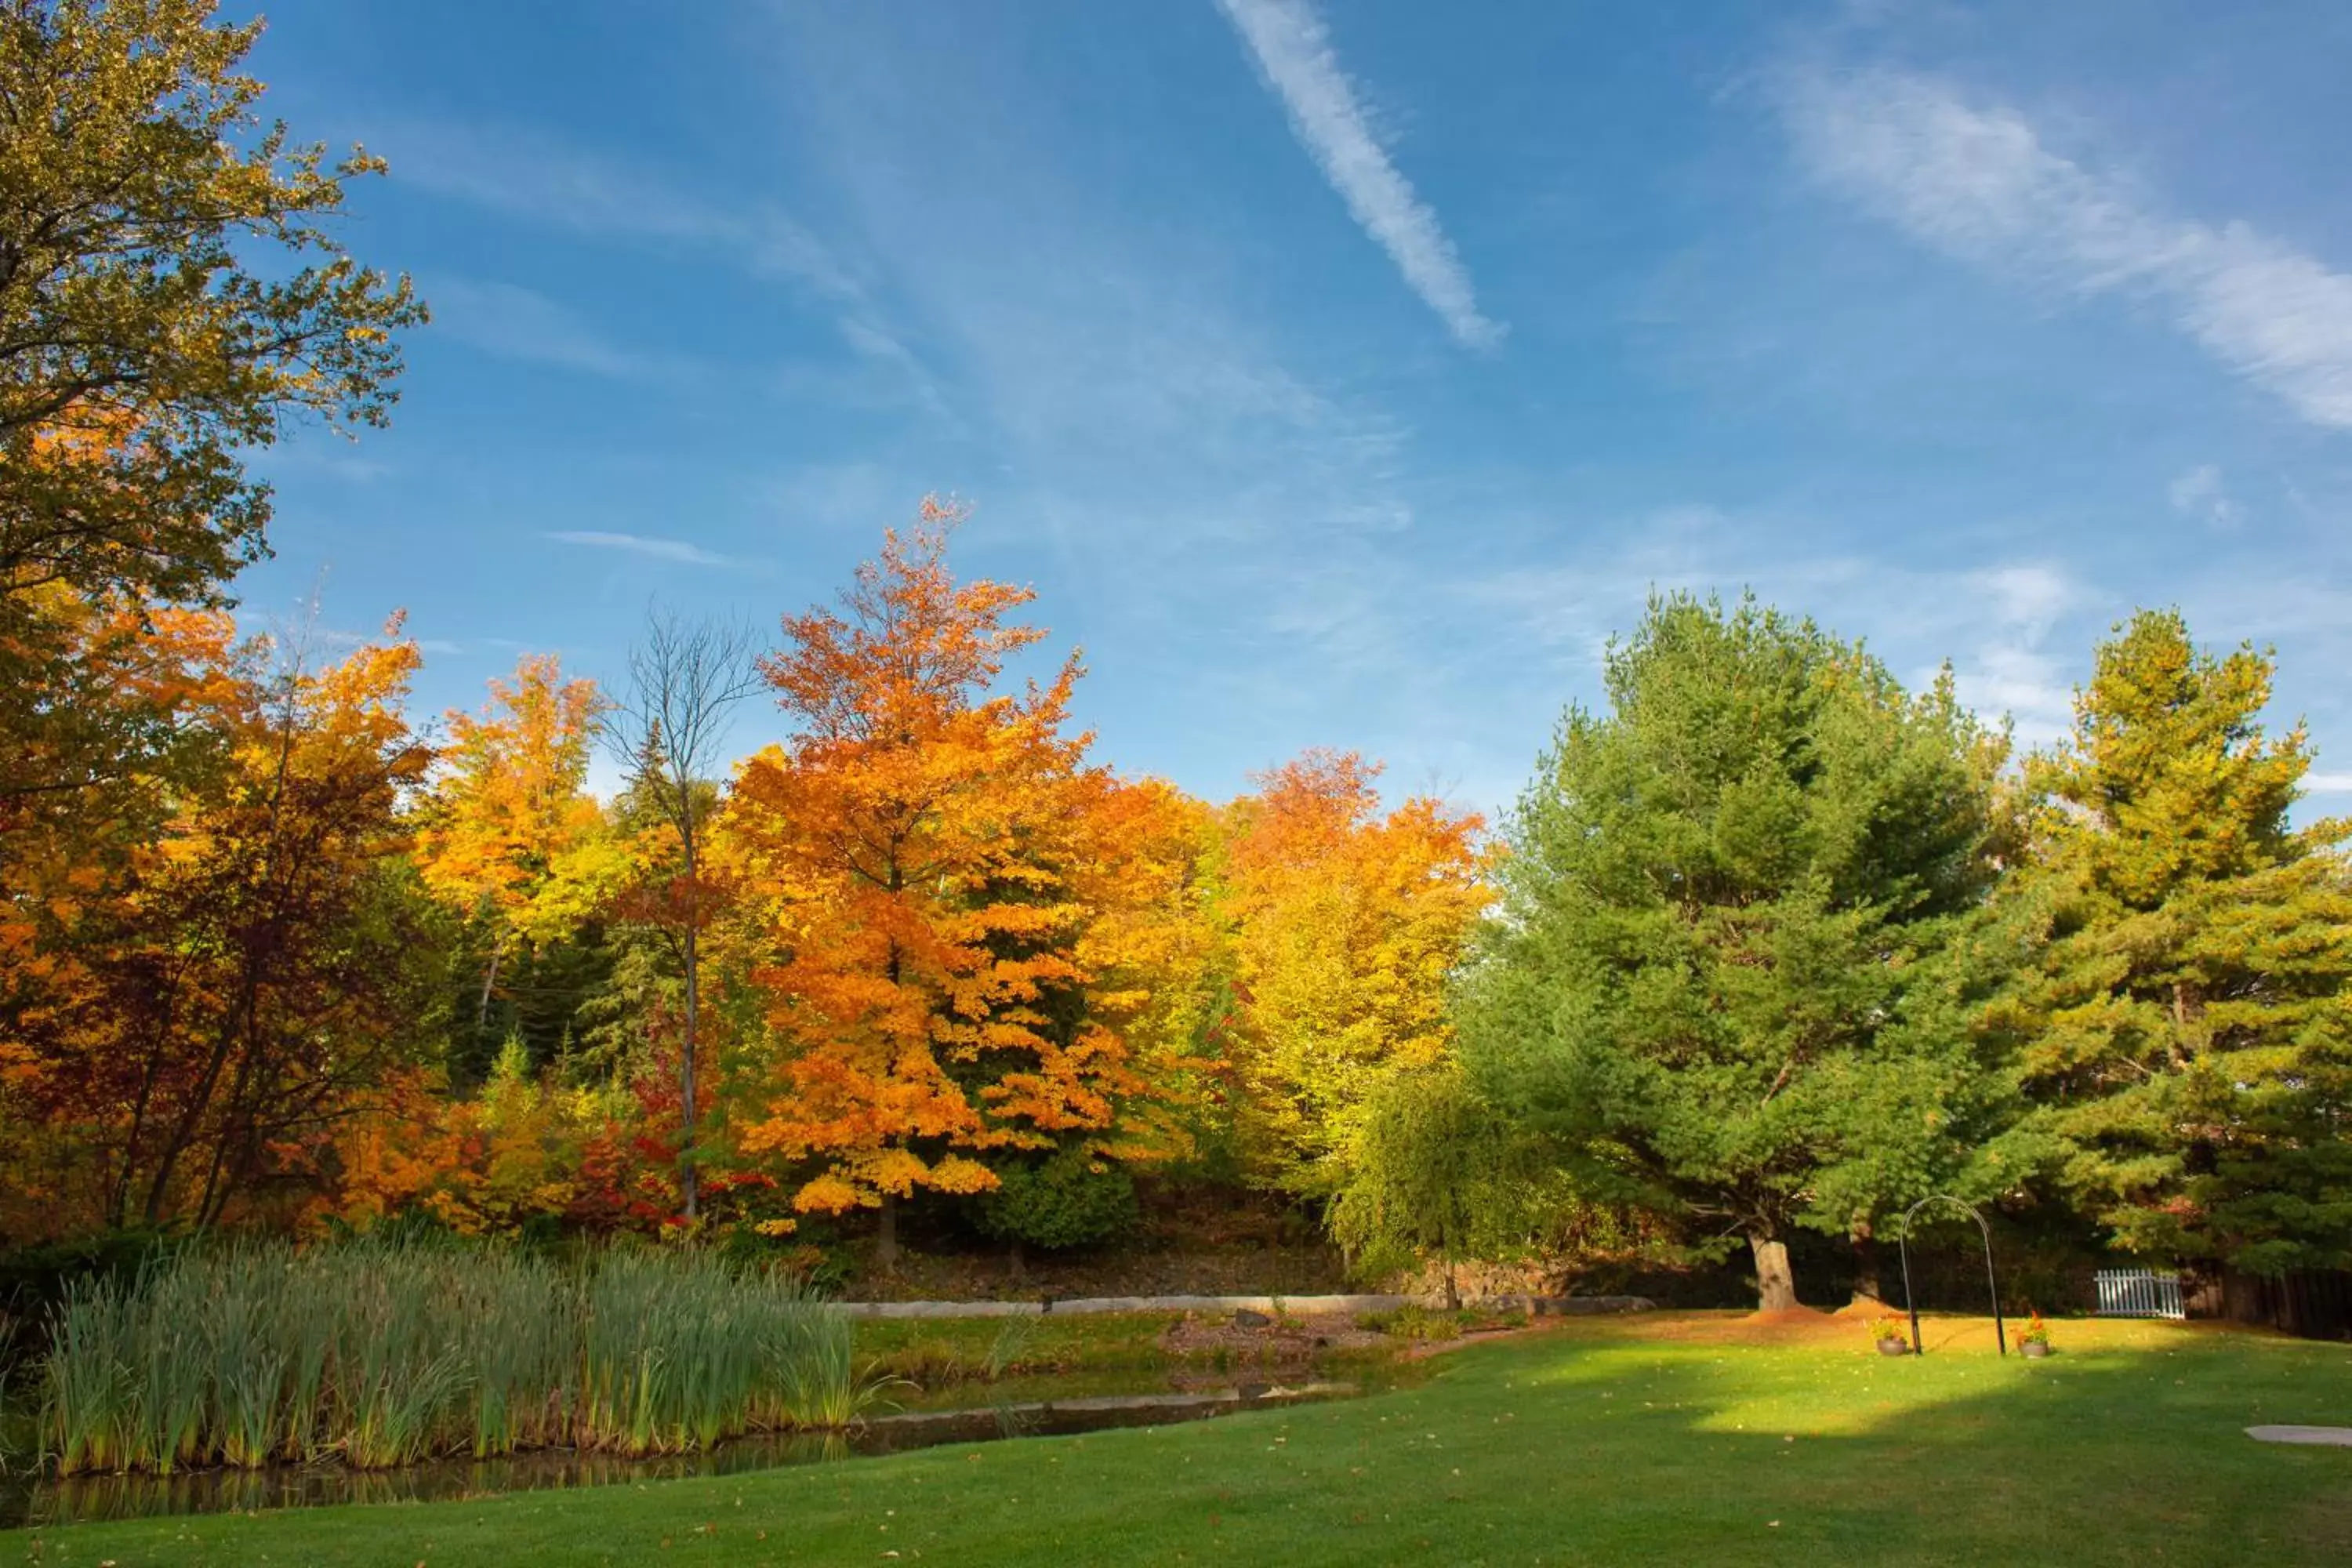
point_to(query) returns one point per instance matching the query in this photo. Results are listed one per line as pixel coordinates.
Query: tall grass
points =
(381, 1354)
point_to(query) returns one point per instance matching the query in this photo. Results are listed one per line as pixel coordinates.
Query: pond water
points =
(43, 1502)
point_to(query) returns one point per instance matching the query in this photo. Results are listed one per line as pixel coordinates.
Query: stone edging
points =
(1301, 1306)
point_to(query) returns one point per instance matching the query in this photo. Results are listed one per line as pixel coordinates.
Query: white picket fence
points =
(2139, 1293)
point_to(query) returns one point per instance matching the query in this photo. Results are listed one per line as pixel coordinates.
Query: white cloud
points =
(2025, 597)
(2200, 493)
(1977, 183)
(1994, 624)
(528, 175)
(2327, 784)
(1293, 49)
(677, 550)
(519, 323)
(2011, 673)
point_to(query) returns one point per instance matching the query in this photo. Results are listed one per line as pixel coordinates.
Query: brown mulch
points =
(1300, 1338)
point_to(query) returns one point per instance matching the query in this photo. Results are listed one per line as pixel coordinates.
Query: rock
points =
(1244, 1317)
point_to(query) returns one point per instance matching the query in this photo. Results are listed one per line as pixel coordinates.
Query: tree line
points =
(1768, 944)
(311, 965)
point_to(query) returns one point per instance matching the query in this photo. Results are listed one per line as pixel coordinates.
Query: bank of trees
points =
(324, 970)
(1781, 945)
(1770, 944)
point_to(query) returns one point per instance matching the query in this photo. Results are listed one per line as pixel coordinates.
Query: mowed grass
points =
(1680, 1438)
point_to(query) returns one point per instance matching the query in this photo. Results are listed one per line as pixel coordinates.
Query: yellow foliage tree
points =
(1345, 925)
(511, 833)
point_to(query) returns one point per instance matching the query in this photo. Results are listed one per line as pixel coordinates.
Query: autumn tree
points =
(924, 863)
(215, 1000)
(79, 838)
(171, 295)
(684, 679)
(2189, 1028)
(1740, 963)
(509, 834)
(1346, 924)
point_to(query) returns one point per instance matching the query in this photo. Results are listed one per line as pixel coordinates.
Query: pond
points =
(44, 1501)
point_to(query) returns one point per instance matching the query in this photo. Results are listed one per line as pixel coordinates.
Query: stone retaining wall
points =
(1301, 1306)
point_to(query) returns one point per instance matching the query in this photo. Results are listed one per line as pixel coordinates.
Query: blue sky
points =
(1345, 374)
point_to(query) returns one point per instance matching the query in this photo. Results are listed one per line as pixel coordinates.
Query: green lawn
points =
(1685, 1439)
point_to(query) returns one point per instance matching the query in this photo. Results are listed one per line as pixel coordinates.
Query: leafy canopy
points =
(935, 875)
(1737, 954)
(1346, 925)
(170, 295)
(2189, 1035)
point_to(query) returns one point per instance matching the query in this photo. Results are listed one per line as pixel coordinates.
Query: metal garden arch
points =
(2000, 1333)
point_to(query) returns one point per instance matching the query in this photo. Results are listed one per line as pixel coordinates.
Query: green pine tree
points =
(1743, 948)
(2189, 1025)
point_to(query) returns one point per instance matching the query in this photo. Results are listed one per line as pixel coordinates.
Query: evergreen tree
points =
(2191, 1039)
(1743, 948)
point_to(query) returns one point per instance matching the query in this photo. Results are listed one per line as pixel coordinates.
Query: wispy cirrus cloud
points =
(2201, 493)
(1977, 182)
(530, 175)
(680, 550)
(1293, 51)
(514, 322)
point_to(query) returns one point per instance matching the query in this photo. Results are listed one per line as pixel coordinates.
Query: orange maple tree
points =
(930, 867)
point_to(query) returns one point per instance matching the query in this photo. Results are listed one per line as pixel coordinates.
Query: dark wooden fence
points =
(2313, 1304)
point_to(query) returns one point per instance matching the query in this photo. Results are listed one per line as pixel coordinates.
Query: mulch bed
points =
(1296, 1339)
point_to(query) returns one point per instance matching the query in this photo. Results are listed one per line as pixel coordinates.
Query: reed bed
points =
(384, 1354)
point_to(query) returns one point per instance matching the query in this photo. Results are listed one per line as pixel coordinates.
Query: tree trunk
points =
(490, 983)
(1776, 1288)
(1865, 1268)
(200, 1099)
(885, 1237)
(687, 1184)
(1453, 1288)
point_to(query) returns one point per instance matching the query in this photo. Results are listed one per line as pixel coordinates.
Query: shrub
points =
(1071, 1198)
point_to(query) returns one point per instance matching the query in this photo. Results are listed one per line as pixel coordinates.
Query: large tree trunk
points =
(1776, 1288)
(886, 1236)
(1865, 1266)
